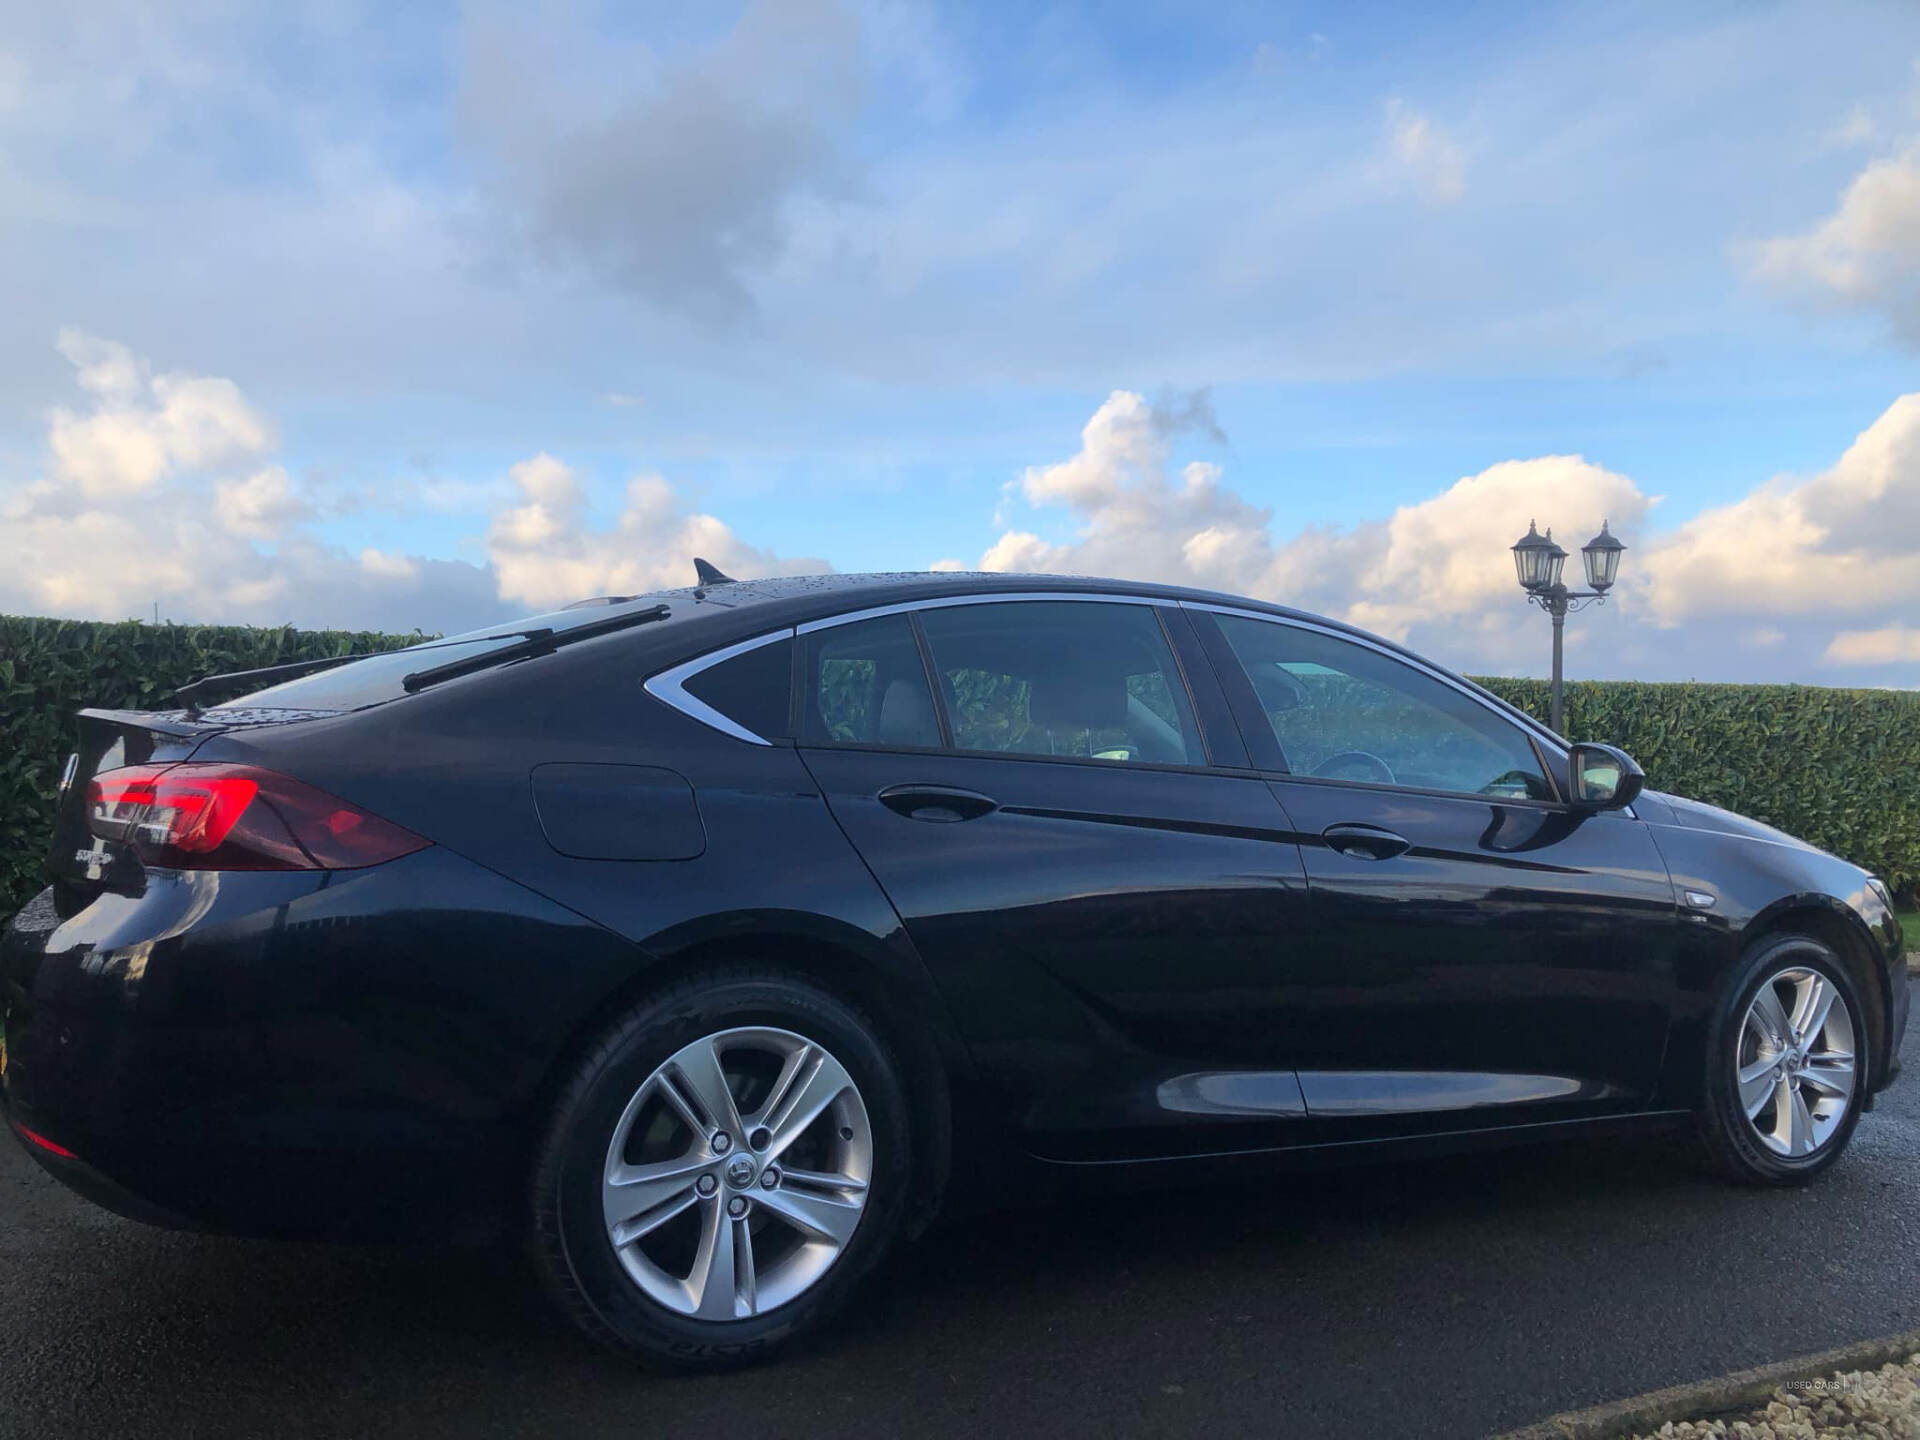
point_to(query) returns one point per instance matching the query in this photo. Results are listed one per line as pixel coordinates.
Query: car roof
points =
(788, 598)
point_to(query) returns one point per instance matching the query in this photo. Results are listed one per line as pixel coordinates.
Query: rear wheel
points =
(1786, 1065)
(720, 1169)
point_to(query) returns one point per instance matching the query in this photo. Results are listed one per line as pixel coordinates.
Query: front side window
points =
(867, 686)
(1067, 678)
(1343, 711)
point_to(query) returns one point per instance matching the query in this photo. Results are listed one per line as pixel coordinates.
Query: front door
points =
(1106, 914)
(1480, 952)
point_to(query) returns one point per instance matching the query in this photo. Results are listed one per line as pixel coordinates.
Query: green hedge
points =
(1838, 768)
(51, 668)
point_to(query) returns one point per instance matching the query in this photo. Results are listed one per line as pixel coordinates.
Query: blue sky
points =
(843, 284)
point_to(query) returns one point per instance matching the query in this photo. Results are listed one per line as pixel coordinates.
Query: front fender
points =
(1758, 885)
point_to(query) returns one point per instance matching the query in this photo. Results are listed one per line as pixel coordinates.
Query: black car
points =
(708, 940)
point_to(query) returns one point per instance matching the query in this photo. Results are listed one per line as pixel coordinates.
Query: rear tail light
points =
(237, 817)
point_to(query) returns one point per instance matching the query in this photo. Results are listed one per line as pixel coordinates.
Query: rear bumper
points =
(353, 1055)
(102, 1190)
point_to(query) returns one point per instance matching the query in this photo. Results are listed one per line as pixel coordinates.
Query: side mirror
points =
(1600, 777)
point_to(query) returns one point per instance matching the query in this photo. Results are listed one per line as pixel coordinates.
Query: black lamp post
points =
(1538, 562)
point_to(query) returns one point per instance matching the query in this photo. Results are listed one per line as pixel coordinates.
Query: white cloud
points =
(1889, 645)
(142, 428)
(1445, 559)
(1822, 571)
(259, 505)
(1843, 546)
(1432, 160)
(389, 566)
(164, 493)
(1842, 542)
(1140, 514)
(546, 554)
(1866, 255)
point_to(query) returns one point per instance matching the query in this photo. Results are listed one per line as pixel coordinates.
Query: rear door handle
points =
(1366, 842)
(939, 804)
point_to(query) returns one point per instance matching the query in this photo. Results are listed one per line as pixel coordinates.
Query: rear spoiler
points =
(158, 722)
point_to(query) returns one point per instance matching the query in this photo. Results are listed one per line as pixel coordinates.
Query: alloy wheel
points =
(737, 1173)
(1794, 1064)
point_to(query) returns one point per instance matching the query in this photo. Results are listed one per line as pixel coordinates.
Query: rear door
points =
(1105, 907)
(1480, 952)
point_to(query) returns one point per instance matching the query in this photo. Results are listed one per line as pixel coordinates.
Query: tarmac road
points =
(1441, 1298)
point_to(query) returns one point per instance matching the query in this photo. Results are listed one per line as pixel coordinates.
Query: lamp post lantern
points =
(1537, 563)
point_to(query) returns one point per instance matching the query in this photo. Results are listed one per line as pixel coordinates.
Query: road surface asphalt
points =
(1439, 1298)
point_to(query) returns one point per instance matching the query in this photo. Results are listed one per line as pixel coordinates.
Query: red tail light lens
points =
(34, 1137)
(237, 817)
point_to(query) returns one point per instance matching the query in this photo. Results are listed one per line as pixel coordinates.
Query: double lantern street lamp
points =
(1538, 562)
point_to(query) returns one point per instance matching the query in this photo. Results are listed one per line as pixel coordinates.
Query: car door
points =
(1479, 952)
(1104, 907)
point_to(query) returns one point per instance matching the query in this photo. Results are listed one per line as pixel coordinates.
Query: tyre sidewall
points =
(577, 1150)
(1734, 1136)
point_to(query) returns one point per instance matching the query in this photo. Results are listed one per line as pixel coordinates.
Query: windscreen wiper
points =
(540, 644)
(189, 694)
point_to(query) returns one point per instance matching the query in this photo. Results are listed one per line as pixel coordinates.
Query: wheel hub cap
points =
(675, 1169)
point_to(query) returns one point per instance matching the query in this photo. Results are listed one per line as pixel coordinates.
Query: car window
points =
(867, 686)
(380, 677)
(1348, 712)
(1096, 681)
(751, 689)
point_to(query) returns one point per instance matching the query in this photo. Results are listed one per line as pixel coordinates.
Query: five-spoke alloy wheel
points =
(1795, 1061)
(737, 1173)
(722, 1166)
(1786, 1064)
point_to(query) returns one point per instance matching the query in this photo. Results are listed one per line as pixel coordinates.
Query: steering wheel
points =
(1373, 762)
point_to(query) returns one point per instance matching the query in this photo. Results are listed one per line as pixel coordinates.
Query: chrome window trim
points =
(1529, 727)
(941, 602)
(668, 686)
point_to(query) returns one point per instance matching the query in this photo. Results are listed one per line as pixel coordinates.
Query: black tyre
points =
(1787, 1062)
(721, 1168)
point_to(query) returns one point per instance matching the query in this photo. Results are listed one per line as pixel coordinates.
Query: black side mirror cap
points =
(1602, 777)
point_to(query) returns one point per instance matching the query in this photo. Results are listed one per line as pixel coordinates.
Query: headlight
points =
(1880, 891)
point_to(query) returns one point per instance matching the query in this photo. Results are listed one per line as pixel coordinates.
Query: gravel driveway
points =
(1442, 1298)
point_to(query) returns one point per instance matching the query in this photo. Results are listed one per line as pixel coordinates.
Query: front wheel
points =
(721, 1168)
(1786, 1065)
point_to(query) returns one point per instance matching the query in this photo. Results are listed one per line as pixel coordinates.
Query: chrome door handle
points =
(938, 804)
(1366, 842)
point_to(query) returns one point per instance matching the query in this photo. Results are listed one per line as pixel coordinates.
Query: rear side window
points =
(751, 689)
(1090, 680)
(866, 685)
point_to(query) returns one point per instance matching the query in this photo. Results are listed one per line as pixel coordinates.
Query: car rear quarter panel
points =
(341, 1054)
(457, 764)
